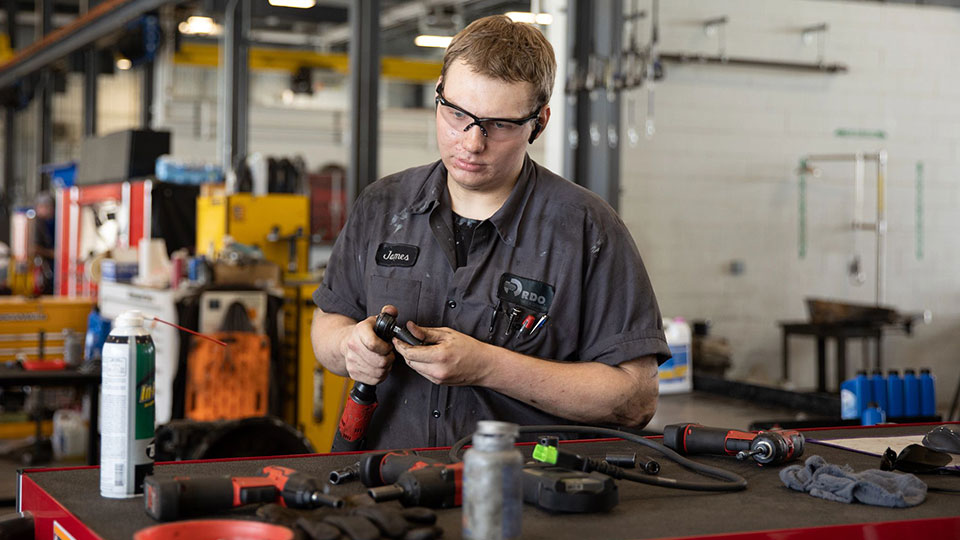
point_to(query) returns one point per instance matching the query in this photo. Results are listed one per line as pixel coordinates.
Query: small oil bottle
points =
(492, 483)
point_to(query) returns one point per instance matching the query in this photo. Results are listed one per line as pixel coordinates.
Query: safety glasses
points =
(914, 459)
(495, 129)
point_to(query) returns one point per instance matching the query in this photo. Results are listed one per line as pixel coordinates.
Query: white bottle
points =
(676, 374)
(492, 483)
(128, 408)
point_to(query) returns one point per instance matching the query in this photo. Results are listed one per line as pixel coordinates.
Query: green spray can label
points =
(128, 408)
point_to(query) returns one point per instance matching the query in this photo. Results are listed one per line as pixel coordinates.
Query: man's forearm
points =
(588, 392)
(326, 333)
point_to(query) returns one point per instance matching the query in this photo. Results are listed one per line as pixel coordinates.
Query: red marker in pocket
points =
(526, 326)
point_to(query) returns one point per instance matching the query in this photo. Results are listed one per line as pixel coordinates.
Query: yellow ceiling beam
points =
(264, 58)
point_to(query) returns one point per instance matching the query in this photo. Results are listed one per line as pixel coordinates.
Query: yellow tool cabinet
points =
(249, 219)
(320, 394)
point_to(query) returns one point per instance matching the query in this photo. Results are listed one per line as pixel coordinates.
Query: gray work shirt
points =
(553, 248)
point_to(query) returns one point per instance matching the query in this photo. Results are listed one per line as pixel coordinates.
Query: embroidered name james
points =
(397, 254)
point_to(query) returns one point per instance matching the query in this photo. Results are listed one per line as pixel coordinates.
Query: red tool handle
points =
(357, 412)
(697, 439)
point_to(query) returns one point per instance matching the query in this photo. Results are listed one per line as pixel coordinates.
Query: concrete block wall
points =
(718, 181)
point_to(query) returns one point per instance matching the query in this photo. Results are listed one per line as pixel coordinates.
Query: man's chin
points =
(468, 180)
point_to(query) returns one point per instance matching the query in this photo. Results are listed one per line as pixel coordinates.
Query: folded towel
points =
(840, 483)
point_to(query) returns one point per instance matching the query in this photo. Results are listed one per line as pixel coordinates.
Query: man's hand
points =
(449, 357)
(366, 357)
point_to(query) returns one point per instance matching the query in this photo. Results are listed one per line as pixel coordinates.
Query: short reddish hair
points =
(497, 47)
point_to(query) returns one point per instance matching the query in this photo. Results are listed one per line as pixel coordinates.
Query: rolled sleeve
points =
(329, 302)
(627, 346)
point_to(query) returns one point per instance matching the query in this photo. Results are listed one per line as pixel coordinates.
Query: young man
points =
(528, 289)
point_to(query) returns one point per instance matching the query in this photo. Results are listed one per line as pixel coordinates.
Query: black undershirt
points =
(463, 229)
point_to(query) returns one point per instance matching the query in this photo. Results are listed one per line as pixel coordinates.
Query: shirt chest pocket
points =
(404, 294)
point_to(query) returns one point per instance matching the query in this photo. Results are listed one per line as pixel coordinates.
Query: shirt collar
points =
(431, 191)
(506, 220)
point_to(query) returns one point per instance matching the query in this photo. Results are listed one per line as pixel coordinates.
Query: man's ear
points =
(541, 123)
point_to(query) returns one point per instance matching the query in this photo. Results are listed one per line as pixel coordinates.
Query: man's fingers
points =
(372, 342)
(392, 310)
(420, 332)
(416, 353)
(370, 369)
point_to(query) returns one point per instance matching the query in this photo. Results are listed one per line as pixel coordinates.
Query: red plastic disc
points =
(214, 529)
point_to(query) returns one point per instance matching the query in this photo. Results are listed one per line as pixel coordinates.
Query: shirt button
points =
(451, 304)
(436, 413)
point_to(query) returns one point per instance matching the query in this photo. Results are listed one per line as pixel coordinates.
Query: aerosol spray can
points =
(492, 483)
(127, 410)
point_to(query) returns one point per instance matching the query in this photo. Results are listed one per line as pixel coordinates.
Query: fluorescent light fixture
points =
(200, 26)
(300, 4)
(425, 40)
(124, 64)
(530, 18)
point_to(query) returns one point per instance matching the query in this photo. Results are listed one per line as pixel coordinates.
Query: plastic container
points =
(894, 394)
(169, 169)
(492, 483)
(878, 389)
(928, 393)
(62, 175)
(676, 374)
(215, 529)
(911, 393)
(854, 396)
(128, 408)
(873, 415)
(69, 439)
(98, 327)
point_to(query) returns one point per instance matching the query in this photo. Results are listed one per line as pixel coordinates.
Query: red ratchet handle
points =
(697, 439)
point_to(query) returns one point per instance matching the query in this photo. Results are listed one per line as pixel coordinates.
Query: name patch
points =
(531, 294)
(397, 255)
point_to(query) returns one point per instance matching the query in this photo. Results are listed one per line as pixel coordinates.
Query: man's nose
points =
(473, 139)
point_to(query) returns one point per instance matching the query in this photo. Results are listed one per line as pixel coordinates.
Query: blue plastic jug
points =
(911, 393)
(894, 394)
(878, 389)
(928, 393)
(873, 415)
(854, 396)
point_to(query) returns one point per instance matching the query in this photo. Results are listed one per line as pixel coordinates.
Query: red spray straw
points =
(198, 334)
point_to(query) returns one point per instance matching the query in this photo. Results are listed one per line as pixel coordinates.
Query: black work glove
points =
(356, 523)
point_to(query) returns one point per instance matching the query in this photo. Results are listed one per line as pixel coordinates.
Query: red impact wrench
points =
(412, 479)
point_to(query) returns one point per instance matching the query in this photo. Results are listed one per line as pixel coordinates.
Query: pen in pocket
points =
(494, 315)
(540, 323)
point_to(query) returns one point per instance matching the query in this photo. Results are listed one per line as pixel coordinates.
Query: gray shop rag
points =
(840, 483)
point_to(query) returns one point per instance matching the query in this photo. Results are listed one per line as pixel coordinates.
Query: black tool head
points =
(383, 328)
(386, 328)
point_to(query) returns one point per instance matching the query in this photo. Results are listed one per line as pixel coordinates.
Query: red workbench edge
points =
(47, 512)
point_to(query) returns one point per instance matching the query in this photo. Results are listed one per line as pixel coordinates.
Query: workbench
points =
(840, 332)
(71, 498)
